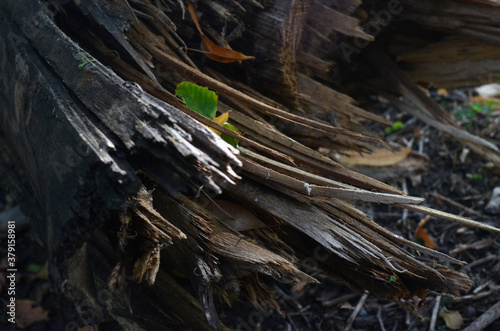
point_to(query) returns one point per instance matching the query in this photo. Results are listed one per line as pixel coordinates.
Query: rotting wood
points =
(80, 169)
(154, 146)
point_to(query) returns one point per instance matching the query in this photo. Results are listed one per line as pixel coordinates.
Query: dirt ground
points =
(453, 180)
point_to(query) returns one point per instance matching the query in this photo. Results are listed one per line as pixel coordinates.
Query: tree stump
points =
(116, 173)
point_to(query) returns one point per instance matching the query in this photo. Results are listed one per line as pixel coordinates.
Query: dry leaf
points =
(452, 318)
(221, 120)
(213, 51)
(232, 214)
(379, 158)
(221, 54)
(443, 91)
(421, 234)
(28, 312)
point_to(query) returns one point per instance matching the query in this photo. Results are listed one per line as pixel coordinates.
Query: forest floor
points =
(452, 180)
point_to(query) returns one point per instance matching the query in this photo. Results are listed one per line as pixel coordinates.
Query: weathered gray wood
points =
(73, 135)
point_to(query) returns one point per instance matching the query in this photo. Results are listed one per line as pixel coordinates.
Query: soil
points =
(460, 177)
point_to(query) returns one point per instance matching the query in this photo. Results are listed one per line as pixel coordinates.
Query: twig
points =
(379, 317)
(350, 320)
(450, 217)
(479, 262)
(474, 297)
(435, 311)
(291, 322)
(404, 188)
(481, 244)
(301, 313)
(485, 319)
(482, 287)
(490, 128)
(456, 204)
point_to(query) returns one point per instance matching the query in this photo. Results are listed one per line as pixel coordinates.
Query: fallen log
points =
(111, 166)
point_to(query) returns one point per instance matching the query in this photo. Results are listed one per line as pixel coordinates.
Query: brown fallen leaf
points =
(213, 51)
(422, 235)
(379, 158)
(28, 312)
(452, 318)
(443, 91)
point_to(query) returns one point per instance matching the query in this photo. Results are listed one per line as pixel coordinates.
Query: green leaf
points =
(490, 103)
(477, 107)
(198, 98)
(230, 140)
(419, 241)
(391, 280)
(84, 60)
(398, 125)
(34, 268)
(476, 177)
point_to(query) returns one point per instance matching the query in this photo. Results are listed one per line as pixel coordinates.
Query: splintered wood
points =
(182, 206)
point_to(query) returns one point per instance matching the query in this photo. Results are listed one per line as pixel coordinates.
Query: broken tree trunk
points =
(81, 135)
(117, 173)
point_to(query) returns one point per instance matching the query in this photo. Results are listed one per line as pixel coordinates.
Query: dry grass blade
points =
(449, 129)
